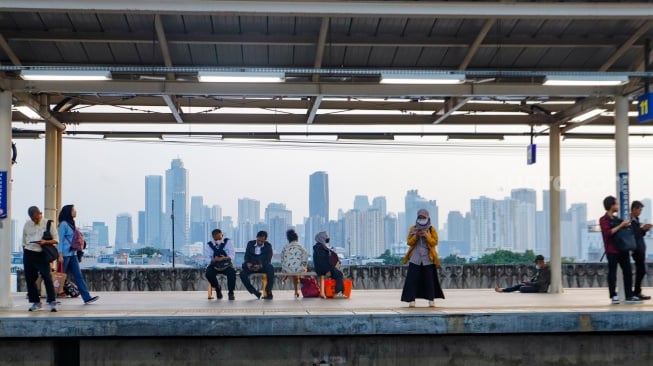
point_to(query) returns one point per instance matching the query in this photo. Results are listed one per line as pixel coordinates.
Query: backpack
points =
(624, 239)
(218, 251)
(310, 287)
(78, 240)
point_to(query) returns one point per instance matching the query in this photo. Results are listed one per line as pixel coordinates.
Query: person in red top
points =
(609, 226)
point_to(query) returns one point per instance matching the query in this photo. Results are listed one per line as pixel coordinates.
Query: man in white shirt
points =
(219, 254)
(34, 261)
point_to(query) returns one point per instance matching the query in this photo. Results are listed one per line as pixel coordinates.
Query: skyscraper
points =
(102, 233)
(413, 203)
(153, 210)
(177, 191)
(390, 230)
(525, 230)
(379, 203)
(456, 225)
(141, 227)
(249, 214)
(318, 205)
(361, 203)
(197, 220)
(278, 219)
(124, 231)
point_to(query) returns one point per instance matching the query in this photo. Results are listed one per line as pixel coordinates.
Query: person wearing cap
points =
(639, 254)
(538, 283)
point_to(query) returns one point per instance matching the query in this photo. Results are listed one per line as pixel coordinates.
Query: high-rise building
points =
(361, 203)
(249, 210)
(354, 233)
(380, 203)
(124, 233)
(413, 203)
(373, 240)
(390, 230)
(177, 192)
(141, 227)
(198, 224)
(525, 218)
(456, 226)
(153, 211)
(102, 231)
(572, 247)
(318, 205)
(278, 219)
(525, 195)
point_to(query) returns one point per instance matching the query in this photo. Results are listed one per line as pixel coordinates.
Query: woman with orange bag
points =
(325, 261)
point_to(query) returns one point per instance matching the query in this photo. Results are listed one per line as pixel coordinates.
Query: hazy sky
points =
(106, 177)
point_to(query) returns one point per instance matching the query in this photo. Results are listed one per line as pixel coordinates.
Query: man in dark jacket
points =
(539, 282)
(639, 254)
(258, 259)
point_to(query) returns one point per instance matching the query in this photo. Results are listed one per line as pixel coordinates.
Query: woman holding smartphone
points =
(422, 278)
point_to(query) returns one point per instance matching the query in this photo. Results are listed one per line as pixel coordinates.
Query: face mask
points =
(537, 266)
(422, 221)
(327, 240)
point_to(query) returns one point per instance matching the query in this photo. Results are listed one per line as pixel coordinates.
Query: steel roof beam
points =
(288, 89)
(394, 9)
(450, 106)
(170, 100)
(477, 43)
(626, 45)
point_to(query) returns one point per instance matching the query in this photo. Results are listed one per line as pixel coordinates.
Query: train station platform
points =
(475, 327)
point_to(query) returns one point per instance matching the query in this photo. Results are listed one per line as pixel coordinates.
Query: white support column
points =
(555, 261)
(5, 224)
(623, 184)
(58, 203)
(50, 187)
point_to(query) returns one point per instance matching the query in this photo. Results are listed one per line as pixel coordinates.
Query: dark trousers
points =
(212, 277)
(623, 260)
(523, 288)
(337, 275)
(639, 256)
(267, 269)
(33, 264)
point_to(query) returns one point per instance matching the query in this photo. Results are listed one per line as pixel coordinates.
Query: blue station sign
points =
(645, 108)
(3, 194)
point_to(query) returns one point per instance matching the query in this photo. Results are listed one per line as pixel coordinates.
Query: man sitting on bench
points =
(258, 259)
(219, 253)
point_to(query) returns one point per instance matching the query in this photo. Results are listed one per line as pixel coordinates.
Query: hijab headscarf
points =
(427, 226)
(321, 237)
(66, 215)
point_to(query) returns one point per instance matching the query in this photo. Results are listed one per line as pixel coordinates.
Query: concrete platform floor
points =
(367, 312)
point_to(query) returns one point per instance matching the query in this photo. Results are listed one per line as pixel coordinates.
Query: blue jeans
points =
(71, 265)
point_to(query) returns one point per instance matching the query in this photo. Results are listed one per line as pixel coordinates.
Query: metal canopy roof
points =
(332, 54)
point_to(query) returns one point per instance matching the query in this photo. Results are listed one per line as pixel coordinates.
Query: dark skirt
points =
(421, 283)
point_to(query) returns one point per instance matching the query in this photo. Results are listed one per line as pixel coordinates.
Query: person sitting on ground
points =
(538, 283)
(326, 261)
(258, 259)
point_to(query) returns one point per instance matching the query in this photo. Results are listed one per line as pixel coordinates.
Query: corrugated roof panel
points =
(364, 26)
(56, 21)
(334, 56)
(203, 55)
(469, 28)
(553, 58)
(229, 55)
(255, 56)
(628, 59)
(553, 28)
(593, 28)
(454, 57)
(430, 57)
(281, 55)
(340, 26)
(99, 53)
(446, 27)
(226, 24)
(23, 51)
(407, 57)
(496, 58)
(176, 23)
(28, 21)
(198, 23)
(7, 21)
(83, 22)
(392, 26)
(150, 54)
(597, 58)
(577, 57)
(382, 56)
(72, 52)
(4, 59)
(526, 27)
(357, 56)
(252, 24)
(113, 22)
(42, 53)
(125, 53)
(304, 56)
(179, 54)
(281, 25)
(529, 57)
(419, 27)
(483, 57)
(140, 22)
(304, 25)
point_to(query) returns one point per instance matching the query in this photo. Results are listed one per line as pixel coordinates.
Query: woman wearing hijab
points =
(70, 262)
(325, 261)
(422, 278)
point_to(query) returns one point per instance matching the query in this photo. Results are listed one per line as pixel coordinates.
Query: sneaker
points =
(268, 297)
(633, 300)
(431, 303)
(411, 304)
(340, 295)
(615, 300)
(91, 300)
(643, 297)
(258, 294)
(231, 296)
(53, 307)
(36, 306)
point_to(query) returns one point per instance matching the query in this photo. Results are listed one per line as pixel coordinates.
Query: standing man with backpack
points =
(219, 254)
(35, 236)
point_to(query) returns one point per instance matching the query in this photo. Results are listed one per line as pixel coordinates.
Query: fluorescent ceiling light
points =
(423, 78)
(65, 75)
(28, 112)
(240, 77)
(555, 80)
(474, 136)
(585, 116)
